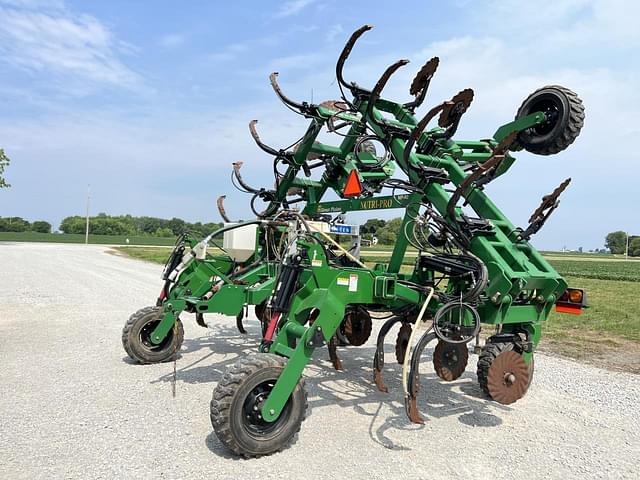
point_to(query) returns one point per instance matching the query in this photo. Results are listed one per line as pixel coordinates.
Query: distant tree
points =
(73, 224)
(177, 225)
(41, 226)
(371, 227)
(389, 233)
(634, 246)
(616, 241)
(14, 224)
(149, 225)
(4, 162)
(110, 226)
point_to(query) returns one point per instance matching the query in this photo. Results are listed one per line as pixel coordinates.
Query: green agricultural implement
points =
(311, 290)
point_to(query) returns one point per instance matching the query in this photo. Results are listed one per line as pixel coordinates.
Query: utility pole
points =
(86, 232)
(626, 250)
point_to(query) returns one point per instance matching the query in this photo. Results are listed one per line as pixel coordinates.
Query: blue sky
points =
(149, 101)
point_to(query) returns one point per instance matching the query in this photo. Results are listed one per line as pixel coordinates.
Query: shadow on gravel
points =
(352, 388)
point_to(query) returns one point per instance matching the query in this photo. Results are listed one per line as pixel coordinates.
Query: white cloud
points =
(292, 8)
(65, 44)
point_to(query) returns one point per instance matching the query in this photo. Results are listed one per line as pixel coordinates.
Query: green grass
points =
(613, 310)
(156, 255)
(79, 238)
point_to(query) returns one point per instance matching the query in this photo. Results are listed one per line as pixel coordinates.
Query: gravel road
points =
(73, 406)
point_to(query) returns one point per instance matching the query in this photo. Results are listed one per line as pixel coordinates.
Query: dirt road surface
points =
(73, 405)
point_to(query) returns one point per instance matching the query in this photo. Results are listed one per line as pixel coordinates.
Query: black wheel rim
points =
(145, 337)
(252, 420)
(551, 111)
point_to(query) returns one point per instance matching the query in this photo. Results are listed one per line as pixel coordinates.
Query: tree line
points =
(17, 224)
(104, 224)
(617, 242)
(386, 231)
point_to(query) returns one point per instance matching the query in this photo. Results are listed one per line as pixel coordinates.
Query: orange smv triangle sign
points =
(353, 188)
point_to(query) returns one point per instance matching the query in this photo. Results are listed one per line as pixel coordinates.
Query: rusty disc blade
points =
(357, 327)
(423, 76)
(508, 378)
(450, 360)
(456, 106)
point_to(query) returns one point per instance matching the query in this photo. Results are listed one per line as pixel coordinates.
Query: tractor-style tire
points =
(136, 337)
(490, 352)
(237, 402)
(566, 118)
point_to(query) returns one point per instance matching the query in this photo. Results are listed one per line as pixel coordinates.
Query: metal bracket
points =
(317, 339)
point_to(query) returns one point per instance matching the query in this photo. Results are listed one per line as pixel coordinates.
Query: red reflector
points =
(353, 188)
(162, 295)
(574, 309)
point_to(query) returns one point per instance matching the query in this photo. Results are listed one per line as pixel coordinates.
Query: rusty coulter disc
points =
(450, 360)
(456, 106)
(508, 378)
(357, 327)
(423, 76)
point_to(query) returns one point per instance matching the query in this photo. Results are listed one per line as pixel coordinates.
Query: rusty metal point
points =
(411, 407)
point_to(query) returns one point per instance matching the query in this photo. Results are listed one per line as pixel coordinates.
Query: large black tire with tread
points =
(567, 118)
(488, 354)
(137, 330)
(238, 424)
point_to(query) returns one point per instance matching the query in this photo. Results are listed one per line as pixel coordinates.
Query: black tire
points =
(238, 424)
(136, 332)
(558, 132)
(488, 355)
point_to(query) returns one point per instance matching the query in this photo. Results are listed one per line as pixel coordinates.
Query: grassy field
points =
(607, 333)
(79, 238)
(598, 269)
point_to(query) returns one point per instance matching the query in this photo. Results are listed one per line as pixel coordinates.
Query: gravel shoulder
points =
(73, 406)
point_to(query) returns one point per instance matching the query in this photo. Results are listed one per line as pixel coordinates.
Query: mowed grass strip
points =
(156, 255)
(79, 238)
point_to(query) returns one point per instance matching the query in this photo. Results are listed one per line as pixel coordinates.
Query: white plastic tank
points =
(240, 243)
